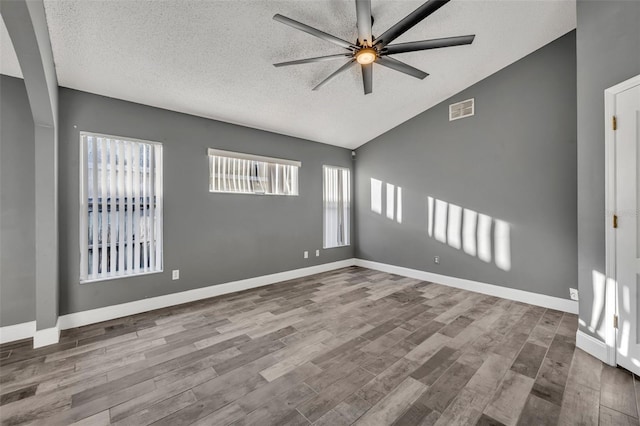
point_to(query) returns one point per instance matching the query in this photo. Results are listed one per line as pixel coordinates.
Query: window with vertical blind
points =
(240, 173)
(337, 206)
(121, 207)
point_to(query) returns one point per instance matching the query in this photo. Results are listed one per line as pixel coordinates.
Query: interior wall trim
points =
(77, 319)
(543, 300)
(47, 336)
(593, 346)
(92, 316)
(11, 333)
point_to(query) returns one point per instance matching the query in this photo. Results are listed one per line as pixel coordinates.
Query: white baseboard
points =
(52, 335)
(92, 316)
(11, 333)
(594, 347)
(543, 300)
(48, 336)
(77, 319)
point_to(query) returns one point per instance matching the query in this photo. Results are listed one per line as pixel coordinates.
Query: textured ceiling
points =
(214, 58)
(8, 59)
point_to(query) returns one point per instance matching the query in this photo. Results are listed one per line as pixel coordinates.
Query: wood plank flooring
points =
(352, 346)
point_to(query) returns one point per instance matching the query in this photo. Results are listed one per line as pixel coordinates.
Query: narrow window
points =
(240, 173)
(337, 206)
(121, 207)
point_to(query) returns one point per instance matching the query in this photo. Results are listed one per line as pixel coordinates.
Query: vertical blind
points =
(251, 174)
(121, 207)
(337, 206)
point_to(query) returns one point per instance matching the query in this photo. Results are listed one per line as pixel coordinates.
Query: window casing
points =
(120, 187)
(239, 173)
(336, 206)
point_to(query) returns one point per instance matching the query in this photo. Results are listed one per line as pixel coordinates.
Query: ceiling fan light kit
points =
(368, 50)
(366, 56)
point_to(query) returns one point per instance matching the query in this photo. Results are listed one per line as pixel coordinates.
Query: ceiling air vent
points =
(462, 109)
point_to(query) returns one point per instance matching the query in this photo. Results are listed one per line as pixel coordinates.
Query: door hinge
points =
(614, 123)
(615, 221)
(615, 321)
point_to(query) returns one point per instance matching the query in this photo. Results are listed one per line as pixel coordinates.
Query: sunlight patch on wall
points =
(390, 201)
(440, 226)
(477, 234)
(454, 226)
(376, 196)
(469, 231)
(430, 208)
(502, 240)
(484, 237)
(598, 281)
(399, 205)
(393, 199)
(603, 289)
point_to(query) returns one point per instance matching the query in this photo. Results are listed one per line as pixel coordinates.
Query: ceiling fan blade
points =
(408, 22)
(367, 78)
(395, 64)
(315, 32)
(427, 44)
(310, 60)
(363, 13)
(336, 73)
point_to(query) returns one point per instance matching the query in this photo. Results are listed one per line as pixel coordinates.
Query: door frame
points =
(611, 284)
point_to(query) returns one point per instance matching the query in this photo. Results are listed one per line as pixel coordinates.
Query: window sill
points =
(260, 194)
(332, 247)
(116, 277)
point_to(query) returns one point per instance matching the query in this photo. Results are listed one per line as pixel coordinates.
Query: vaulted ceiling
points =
(214, 58)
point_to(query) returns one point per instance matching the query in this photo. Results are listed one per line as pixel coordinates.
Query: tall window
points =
(337, 206)
(121, 207)
(252, 174)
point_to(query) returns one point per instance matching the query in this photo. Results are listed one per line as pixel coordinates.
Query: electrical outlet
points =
(573, 293)
(317, 253)
(436, 259)
(306, 254)
(175, 274)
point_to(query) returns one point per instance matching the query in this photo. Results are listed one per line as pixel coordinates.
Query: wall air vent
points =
(462, 109)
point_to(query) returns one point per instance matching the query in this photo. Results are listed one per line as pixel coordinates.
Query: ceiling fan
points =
(368, 49)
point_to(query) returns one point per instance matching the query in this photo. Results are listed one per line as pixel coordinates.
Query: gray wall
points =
(17, 203)
(515, 160)
(608, 52)
(210, 238)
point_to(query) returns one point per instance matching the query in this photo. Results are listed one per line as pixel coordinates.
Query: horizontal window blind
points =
(121, 207)
(250, 174)
(337, 206)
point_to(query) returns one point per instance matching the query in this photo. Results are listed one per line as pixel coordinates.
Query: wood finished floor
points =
(352, 346)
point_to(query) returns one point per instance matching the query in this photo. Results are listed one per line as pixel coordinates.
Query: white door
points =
(627, 157)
